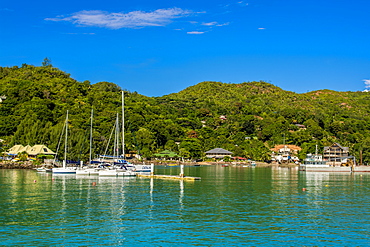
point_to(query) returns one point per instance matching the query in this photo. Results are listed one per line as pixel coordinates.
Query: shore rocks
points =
(17, 165)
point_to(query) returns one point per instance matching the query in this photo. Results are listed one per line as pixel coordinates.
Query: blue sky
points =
(161, 47)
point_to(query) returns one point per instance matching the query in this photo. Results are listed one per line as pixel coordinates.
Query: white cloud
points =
(367, 83)
(261, 28)
(243, 3)
(215, 23)
(195, 32)
(210, 23)
(134, 19)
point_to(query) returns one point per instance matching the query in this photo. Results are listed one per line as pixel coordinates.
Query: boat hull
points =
(42, 169)
(116, 173)
(64, 170)
(88, 171)
(327, 168)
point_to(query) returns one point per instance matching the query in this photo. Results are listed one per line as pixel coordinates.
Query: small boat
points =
(43, 169)
(225, 165)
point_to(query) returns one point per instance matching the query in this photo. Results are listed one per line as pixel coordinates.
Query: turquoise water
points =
(229, 206)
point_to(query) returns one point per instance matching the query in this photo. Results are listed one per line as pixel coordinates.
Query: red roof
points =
(239, 158)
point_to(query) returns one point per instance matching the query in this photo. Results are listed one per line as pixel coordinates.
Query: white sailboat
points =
(65, 169)
(88, 170)
(121, 167)
(116, 165)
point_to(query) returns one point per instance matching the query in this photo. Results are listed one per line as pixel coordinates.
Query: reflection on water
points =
(230, 205)
(181, 193)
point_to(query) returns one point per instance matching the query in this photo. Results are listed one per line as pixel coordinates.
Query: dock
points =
(169, 177)
(178, 177)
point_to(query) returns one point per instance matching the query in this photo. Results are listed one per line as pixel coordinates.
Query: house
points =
(336, 153)
(285, 153)
(218, 153)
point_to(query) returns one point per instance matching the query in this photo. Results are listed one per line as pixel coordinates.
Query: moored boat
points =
(43, 169)
(315, 163)
(65, 169)
(88, 171)
(117, 171)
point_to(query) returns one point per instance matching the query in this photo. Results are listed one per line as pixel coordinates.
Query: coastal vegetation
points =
(247, 118)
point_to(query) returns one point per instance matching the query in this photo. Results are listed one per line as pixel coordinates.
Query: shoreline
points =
(30, 165)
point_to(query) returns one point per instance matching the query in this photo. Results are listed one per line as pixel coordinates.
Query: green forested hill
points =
(246, 118)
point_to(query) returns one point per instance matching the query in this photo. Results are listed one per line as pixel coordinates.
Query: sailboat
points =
(89, 170)
(120, 166)
(117, 164)
(65, 169)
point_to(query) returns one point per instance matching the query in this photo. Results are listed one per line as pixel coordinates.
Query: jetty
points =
(181, 176)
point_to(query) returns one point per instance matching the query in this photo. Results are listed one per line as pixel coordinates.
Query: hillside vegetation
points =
(247, 118)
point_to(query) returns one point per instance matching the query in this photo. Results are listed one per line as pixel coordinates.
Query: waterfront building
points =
(218, 153)
(285, 153)
(336, 153)
(31, 151)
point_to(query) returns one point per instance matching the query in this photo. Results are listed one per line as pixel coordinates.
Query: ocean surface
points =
(229, 206)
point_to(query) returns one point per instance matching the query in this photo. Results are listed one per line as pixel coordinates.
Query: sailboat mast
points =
(66, 139)
(123, 125)
(116, 138)
(91, 123)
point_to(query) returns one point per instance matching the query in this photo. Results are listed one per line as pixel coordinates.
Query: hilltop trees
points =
(247, 118)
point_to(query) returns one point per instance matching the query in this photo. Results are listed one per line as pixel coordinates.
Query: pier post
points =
(181, 170)
(151, 169)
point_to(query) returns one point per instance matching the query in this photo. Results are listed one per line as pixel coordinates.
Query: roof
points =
(35, 150)
(15, 149)
(218, 151)
(291, 147)
(25, 149)
(239, 158)
(40, 149)
(337, 144)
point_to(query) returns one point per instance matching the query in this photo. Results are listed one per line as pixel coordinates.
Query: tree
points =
(190, 148)
(23, 156)
(46, 62)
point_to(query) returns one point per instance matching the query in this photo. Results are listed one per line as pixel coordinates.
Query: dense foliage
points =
(247, 118)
